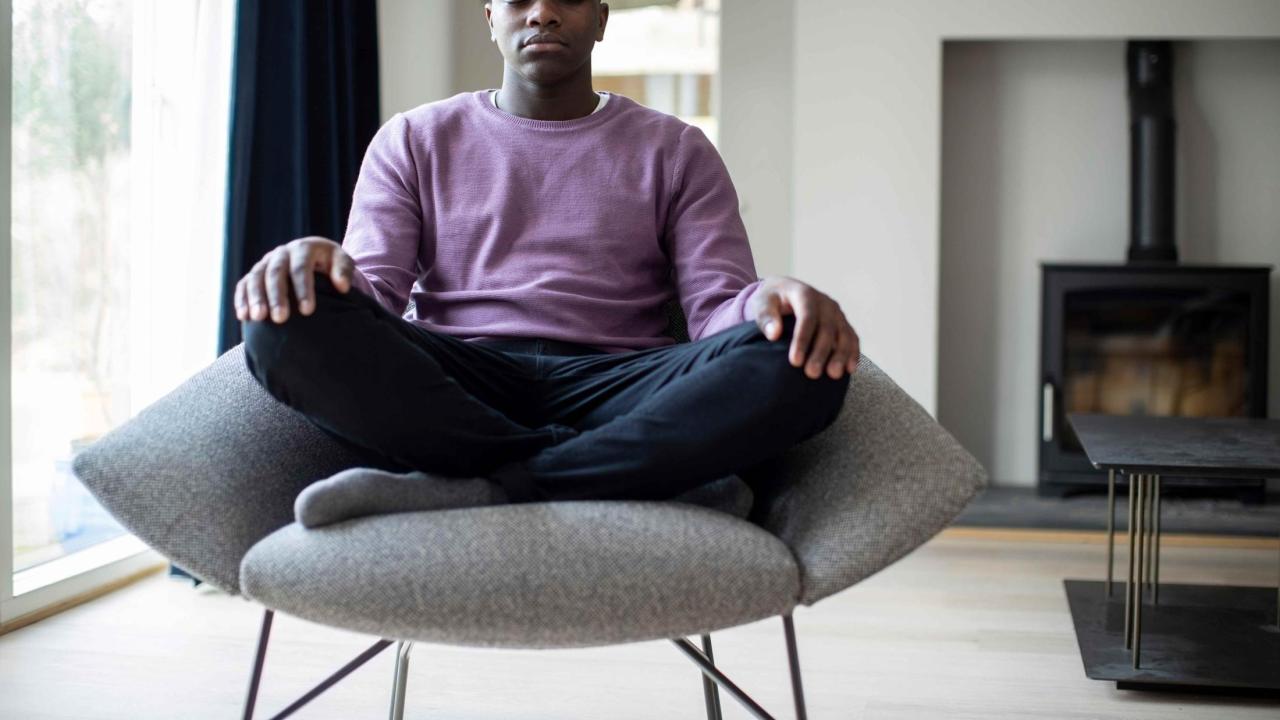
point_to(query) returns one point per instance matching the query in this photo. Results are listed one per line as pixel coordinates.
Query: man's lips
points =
(544, 40)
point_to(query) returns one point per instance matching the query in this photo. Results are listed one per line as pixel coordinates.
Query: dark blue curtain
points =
(304, 107)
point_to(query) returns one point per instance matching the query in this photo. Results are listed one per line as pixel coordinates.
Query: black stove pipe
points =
(1151, 151)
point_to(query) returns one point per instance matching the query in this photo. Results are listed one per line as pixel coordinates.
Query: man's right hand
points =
(267, 283)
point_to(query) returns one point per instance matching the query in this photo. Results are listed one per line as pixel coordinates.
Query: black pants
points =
(550, 420)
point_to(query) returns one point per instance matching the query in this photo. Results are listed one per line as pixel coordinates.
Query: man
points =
(540, 228)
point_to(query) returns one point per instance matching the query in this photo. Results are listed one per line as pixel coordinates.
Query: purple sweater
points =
(498, 225)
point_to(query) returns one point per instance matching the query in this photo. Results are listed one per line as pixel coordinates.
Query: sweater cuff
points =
(748, 293)
(361, 283)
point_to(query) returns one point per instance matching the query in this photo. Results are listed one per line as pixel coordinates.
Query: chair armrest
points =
(208, 470)
(874, 485)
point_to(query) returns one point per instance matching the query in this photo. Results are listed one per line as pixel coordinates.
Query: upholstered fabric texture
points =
(541, 575)
(874, 485)
(209, 469)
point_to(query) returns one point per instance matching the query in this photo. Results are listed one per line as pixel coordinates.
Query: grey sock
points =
(358, 492)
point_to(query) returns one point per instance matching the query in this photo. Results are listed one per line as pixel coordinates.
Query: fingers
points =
(241, 300)
(823, 340)
(823, 344)
(770, 317)
(341, 269)
(266, 287)
(847, 353)
(276, 279)
(303, 260)
(843, 355)
(255, 292)
(802, 335)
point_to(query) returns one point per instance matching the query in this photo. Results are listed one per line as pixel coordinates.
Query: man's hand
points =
(819, 321)
(267, 283)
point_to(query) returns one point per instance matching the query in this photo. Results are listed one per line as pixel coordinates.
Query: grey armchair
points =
(208, 474)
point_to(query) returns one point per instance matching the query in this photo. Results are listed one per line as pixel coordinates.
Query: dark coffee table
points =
(1203, 638)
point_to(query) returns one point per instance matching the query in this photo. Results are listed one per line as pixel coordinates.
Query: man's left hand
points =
(822, 334)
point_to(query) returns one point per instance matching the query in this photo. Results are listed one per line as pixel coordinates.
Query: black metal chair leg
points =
(705, 662)
(713, 679)
(328, 682)
(794, 656)
(710, 691)
(256, 678)
(700, 659)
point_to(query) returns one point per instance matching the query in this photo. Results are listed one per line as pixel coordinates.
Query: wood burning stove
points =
(1150, 337)
(1147, 339)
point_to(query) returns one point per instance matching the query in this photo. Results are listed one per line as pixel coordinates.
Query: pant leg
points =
(421, 400)
(658, 422)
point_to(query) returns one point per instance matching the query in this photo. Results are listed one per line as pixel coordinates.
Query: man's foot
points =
(359, 491)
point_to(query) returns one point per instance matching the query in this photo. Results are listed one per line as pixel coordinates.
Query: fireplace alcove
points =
(1035, 171)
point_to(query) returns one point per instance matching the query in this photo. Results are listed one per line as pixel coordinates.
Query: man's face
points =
(546, 40)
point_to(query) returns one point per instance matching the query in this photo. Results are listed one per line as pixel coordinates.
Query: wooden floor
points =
(966, 627)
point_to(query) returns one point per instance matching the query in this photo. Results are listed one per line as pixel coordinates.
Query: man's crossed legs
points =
(524, 420)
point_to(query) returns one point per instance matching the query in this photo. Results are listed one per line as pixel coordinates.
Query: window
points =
(118, 138)
(663, 54)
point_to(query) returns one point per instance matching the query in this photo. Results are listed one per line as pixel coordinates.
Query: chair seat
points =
(532, 575)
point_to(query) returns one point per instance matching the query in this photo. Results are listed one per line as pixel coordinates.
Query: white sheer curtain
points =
(182, 87)
(135, 247)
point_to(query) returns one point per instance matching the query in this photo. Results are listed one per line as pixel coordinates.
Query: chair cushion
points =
(533, 575)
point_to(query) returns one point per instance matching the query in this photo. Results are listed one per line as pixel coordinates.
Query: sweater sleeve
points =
(384, 229)
(715, 274)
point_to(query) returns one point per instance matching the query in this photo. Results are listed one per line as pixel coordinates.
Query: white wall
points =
(477, 63)
(1035, 168)
(867, 123)
(415, 59)
(757, 47)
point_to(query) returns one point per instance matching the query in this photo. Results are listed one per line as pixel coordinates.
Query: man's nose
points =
(543, 13)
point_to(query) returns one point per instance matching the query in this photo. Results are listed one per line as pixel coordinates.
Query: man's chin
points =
(546, 72)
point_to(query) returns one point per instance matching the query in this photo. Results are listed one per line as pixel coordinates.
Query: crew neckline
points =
(482, 97)
(601, 95)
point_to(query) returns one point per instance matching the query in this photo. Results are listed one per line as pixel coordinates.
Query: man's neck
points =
(573, 98)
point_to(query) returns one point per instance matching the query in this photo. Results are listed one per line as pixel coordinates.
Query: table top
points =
(1200, 447)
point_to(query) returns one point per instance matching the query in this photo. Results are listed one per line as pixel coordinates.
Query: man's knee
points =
(781, 347)
(269, 345)
(325, 287)
(263, 348)
(822, 397)
(833, 400)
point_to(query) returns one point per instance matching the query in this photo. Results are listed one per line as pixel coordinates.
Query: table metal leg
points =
(1111, 526)
(1150, 541)
(1128, 587)
(1155, 566)
(1137, 599)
